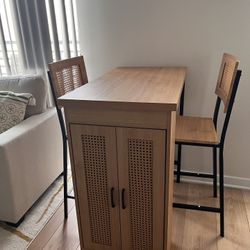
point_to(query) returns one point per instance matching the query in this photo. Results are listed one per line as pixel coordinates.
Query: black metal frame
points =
(220, 147)
(65, 150)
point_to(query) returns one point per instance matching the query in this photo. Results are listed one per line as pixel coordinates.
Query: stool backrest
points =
(67, 75)
(226, 79)
(227, 85)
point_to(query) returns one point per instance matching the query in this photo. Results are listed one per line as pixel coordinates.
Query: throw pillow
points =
(12, 108)
(33, 84)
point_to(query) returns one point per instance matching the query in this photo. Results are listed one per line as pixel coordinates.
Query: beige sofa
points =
(30, 152)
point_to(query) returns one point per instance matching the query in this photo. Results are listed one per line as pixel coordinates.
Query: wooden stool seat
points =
(195, 130)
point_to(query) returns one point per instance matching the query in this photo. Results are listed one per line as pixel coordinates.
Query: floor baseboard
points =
(230, 181)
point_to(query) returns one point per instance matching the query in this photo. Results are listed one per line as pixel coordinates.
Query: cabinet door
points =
(141, 170)
(95, 179)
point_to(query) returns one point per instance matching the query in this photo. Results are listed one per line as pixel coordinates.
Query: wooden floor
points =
(191, 229)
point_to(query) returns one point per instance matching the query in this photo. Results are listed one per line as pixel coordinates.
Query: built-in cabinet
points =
(120, 186)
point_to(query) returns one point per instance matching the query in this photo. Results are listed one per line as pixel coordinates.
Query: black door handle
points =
(123, 200)
(112, 197)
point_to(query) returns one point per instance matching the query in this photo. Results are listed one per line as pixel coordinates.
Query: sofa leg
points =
(16, 224)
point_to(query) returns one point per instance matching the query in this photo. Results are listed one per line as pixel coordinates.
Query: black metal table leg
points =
(178, 173)
(215, 171)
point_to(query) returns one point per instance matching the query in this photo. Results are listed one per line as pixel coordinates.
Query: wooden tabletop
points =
(133, 86)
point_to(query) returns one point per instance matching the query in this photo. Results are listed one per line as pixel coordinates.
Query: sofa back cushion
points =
(12, 108)
(33, 84)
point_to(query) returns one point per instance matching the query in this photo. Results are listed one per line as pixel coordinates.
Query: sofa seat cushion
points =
(12, 108)
(33, 84)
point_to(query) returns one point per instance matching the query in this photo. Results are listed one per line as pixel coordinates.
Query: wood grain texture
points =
(195, 130)
(51, 227)
(191, 229)
(169, 177)
(179, 215)
(110, 115)
(95, 168)
(198, 230)
(65, 229)
(74, 176)
(246, 198)
(237, 228)
(141, 165)
(156, 88)
(228, 69)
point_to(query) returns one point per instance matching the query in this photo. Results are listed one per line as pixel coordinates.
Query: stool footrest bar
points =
(186, 173)
(197, 207)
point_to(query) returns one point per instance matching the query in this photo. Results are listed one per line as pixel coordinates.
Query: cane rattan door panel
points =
(95, 168)
(141, 167)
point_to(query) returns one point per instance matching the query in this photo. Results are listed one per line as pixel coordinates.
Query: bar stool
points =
(65, 76)
(199, 131)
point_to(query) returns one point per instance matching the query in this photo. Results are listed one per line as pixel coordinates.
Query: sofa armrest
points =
(31, 158)
(25, 127)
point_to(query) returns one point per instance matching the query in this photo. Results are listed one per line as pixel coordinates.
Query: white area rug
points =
(35, 219)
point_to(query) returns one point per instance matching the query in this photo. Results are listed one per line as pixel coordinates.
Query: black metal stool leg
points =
(221, 193)
(215, 171)
(178, 178)
(178, 172)
(65, 175)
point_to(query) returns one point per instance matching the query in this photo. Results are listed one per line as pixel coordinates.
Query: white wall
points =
(192, 33)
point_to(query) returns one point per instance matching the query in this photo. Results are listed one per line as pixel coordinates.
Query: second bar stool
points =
(199, 131)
